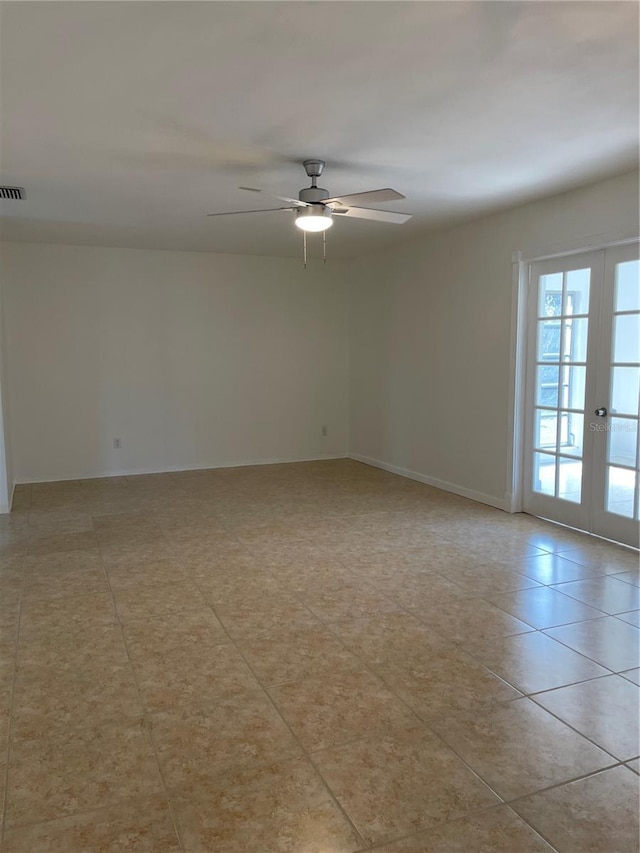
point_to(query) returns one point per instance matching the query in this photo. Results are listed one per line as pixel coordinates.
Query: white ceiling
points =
(127, 122)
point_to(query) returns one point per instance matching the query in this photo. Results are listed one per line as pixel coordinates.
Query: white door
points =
(615, 483)
(582, 386)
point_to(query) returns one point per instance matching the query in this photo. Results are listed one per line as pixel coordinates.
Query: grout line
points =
(143, 708)
(266, 693)
(604, 666)
(303, 749)
(484, 707)
(534, 693)
(11, 702)
(86, 812)
(229, 527)
(616, 760)
(458, 820)
(580, 778)
(419, 720)
(271, 702)
(494, 704)
(309, 756)
(553, 587)
(470, 651)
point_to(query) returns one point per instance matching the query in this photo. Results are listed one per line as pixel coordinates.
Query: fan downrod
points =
(313, 194)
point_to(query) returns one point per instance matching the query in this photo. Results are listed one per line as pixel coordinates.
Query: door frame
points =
(521, 261)
(577, 515)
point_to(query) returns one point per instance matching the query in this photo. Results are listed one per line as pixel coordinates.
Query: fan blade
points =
(295, 201)
(371, 197)
(370, 213)
(261, 210)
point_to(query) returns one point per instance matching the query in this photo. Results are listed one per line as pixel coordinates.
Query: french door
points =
(583, 392)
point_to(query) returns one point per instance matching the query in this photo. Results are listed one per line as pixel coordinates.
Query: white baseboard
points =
(504, 504)
(133, 472)
(499, 503)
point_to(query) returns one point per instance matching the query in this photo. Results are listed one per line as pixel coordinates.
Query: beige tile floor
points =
(311, 658)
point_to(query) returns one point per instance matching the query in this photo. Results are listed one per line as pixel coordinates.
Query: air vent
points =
(16, 193)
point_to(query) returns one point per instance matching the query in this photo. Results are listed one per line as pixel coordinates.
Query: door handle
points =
(601, 412)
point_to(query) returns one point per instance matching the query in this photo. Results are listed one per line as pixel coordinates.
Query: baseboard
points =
(133, 472)
(499, 503)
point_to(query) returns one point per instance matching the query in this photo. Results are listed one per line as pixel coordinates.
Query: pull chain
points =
(304, 248)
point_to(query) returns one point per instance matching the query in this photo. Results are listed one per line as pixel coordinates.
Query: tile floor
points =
(311, 658)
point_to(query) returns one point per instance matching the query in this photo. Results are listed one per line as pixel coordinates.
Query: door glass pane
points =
(544, 474)
(626, 338)
(573, 379)
(576, 298)
(550, 295)
(620, 487)
(627, 287)
(549, 332)
(575, 339)
(625, 390)
(546, 429)
(547, 385)
(568, 354)
(571, 433)
(623, 438)
(570, 480)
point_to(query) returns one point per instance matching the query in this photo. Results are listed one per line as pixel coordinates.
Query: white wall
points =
(197, 360)
(192, 360)
(6, 463)
(430, 336)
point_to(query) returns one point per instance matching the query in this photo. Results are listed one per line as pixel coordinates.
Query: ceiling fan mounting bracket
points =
(313, 167)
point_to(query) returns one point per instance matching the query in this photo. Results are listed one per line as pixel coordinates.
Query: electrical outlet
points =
(117, 443)
(325, 431)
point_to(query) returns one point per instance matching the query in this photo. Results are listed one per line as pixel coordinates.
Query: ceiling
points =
(128, 122)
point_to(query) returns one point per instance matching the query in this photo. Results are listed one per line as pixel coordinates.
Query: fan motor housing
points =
(313, 195)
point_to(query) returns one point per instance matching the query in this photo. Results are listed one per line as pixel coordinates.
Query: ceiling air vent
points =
(16, 193)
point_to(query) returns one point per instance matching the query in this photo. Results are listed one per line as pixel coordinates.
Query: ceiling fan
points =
(315, 209)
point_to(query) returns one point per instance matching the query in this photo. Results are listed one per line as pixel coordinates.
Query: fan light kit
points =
(315, 209)
(316, 217)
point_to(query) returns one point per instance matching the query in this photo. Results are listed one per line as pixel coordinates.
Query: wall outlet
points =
(117, 443)
(325, 431)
